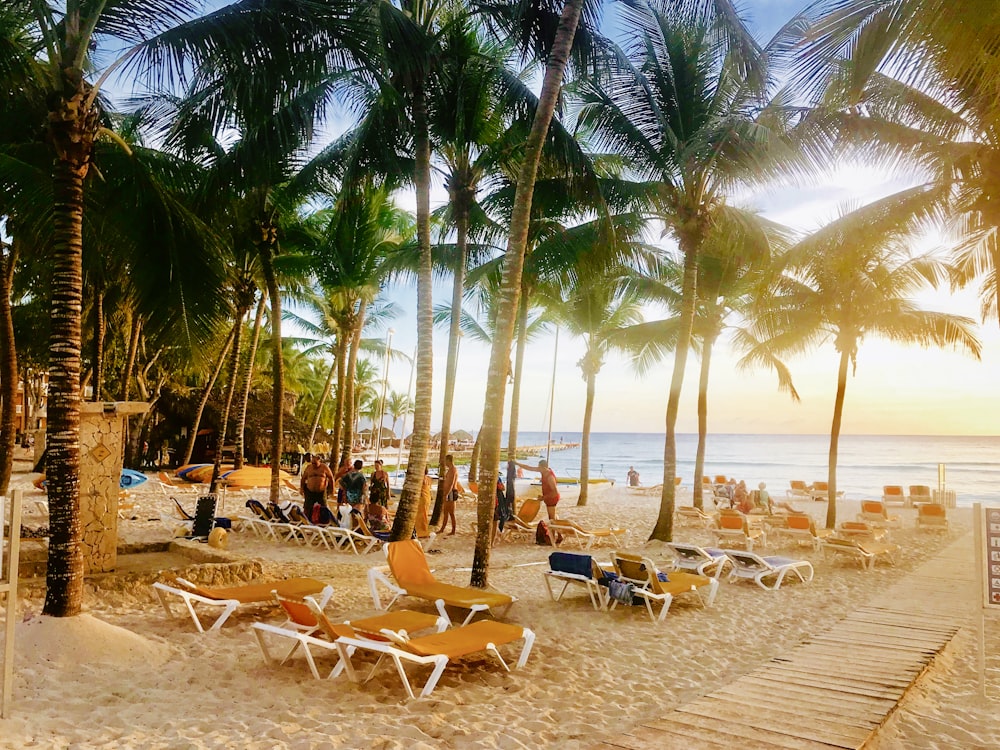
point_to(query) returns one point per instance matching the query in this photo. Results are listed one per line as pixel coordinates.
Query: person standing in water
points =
(633, 477)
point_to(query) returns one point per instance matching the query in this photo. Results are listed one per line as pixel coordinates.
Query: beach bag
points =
(543, 535)
(321, 515)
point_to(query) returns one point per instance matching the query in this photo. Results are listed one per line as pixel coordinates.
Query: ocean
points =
(865, 463)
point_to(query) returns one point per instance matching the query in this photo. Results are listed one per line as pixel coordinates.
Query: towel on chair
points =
(621, 591)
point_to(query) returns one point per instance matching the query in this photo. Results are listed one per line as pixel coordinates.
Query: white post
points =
(406, 413)
(381, 401)
(8, 585)
(552, 395)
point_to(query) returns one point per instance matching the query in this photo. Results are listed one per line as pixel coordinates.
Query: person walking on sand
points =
(378, 491)
(633, 477)
(354, 485)
(550, 487)
(316, 477)
(450, 480)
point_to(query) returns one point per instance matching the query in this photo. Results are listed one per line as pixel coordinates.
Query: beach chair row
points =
(293, 526)
(387, 636)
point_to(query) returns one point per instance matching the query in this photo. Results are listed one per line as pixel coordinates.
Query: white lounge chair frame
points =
(867, 557)
(752, 566)
(643, 591)
(347, 646)
(583, 538)
(598, 594)
(705, 561)
(228, 606)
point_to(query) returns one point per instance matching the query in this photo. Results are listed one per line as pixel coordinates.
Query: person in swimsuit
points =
(450, 480)
(550, 487)
(378, 491)
(353, 484)
(316, 477)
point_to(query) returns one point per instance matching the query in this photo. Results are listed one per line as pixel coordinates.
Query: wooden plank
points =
(830, 651)
(880, 631)
(817, 681)
(781, 687)
(807, 702)
(876, 636)
(848, 641)
(794, 713)
(782, 722)
(678, 735)
(824, 658)
(845, 737)
(740, 736)
(882, 679)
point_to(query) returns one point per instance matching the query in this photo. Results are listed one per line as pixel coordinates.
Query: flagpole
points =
(552, 395)
(406, 413)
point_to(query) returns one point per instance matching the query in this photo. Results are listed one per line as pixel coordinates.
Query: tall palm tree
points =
(161, 38)
(920, 93)
(598, 303)
(853, 279)
(688, 110)
(734, 269)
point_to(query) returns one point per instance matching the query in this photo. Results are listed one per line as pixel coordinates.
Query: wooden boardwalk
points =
(835, 689)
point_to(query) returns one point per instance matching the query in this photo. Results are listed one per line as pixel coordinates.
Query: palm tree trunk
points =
(206, 392)
(352, 370)
(699, 459)
(838, 414)
(8, 365)
(664, 528)
(402, 526)
(451, 369)
(234, 373)
(338, 415)
(515, 395)
(588, 414)
(517, 243)
(73, 129)
(130, 357)
(267, 253)
(100, 329)
(474, 457)
(241, 417)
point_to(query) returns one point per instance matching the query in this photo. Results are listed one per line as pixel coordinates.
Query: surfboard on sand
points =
(529, 509)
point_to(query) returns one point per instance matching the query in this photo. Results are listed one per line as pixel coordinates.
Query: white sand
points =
(591, 676)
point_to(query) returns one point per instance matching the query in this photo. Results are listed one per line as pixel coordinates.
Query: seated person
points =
(376, 517)
(741, 498)
(762, 499)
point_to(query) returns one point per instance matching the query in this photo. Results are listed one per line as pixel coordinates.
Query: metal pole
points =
(381, 401)
(406, 412)
(552, 395)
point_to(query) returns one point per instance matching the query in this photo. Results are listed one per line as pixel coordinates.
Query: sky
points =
(896, 390)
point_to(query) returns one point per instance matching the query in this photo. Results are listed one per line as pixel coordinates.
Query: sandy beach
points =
(591, 676)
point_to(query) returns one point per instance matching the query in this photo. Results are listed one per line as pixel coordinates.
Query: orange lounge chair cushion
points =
(457, 596)
(892, 490)
(408, 564)
(371, 627)
(261, 592)
(679, 582)
(464, 640)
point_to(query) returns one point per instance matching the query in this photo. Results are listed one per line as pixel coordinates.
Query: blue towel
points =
(621, 591)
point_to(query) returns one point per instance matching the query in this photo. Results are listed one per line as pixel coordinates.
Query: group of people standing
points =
(369, 496)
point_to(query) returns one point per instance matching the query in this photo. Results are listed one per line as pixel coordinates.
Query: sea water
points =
(865, 463)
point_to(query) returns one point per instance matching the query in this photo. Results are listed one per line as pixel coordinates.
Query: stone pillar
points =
(102, 451)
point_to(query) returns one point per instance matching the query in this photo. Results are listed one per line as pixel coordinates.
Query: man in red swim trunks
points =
(550, 487)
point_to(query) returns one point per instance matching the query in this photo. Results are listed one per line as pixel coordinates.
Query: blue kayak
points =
(131, 478)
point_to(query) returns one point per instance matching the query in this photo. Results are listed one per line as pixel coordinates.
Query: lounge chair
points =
(694, 516)
(821, 491)
(920, 493)
(357, 541)
(308, 626)
(875, 513)
(861, 530)
(229, 599)
(802, 528)
(757, 569)
(705, 561)
(412, 577)
(515, 528)
(437, 649)
(170, 486)
(733, 528)
(932, 517)
(651, 585)
(894, 494)
(797, 489)
(568, 568)
(586, 538)
(867, 552)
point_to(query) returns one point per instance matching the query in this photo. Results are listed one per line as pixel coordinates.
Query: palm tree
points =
(734, 269)
(533, 24)
(852, 279)
(398, 405)
(598, 304)
(688, 110)
(162, 38)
